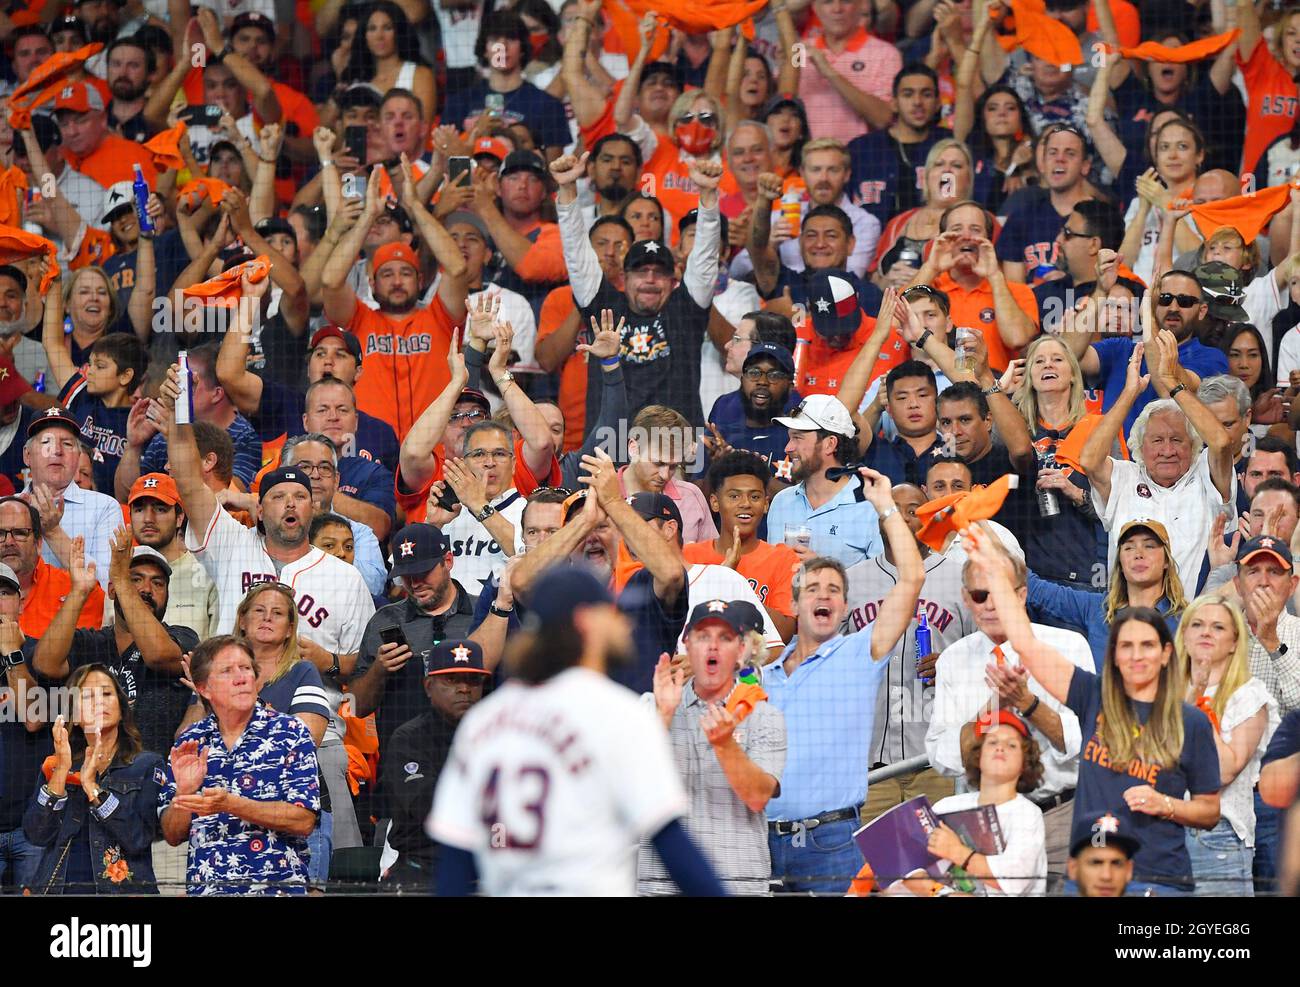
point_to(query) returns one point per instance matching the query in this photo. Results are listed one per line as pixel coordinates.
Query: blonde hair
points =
(1027, 401)
(1238, 671)
(70, 285)
(1160, 739)
(1250, 255)
(291, 655)
(825, 144)
(682, 105)
(1172, 588)
(654, 424)
(932, 159)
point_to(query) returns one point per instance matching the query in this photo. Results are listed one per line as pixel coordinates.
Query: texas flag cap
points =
(833, 303)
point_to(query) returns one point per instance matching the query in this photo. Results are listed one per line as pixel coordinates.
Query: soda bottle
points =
(922, 641)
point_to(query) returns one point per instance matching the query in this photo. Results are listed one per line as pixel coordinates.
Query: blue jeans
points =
(19, 860)
(1266, 829)
(321, 843)
(1221, 862)
(820, 860)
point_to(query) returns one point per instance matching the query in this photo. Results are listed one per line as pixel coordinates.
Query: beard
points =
(809, 467)
(124, 90)
(760, 416)
(277, 534)
(11, 328)
(614, 192)
(396, 308)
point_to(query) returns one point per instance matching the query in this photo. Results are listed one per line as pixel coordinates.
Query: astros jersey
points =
(333, 602)
(552, 787)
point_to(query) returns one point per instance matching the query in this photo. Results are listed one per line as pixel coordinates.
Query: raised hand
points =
(769, 186)
(483, 315)
(119, 569)
(270, 139)
(668, 683)
(62, 752)
(1107, 270)
(49, 505)
(602, 477)
(81, 569)
(877, 489)
(189, 765)
(467, 484)
(1222, 554)
(707, 175)
(607, 338)
(1135, 382)
(1151, 190)
(732, 559)
(323, 140)
(716, 442)
(567, 169)
(1014, 377)
(503, 333)
(456, 363)
(718, 724)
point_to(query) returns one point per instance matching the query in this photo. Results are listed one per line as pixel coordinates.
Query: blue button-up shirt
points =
(1114, 354)
(846, 527)
(829, 705)
(94, 516)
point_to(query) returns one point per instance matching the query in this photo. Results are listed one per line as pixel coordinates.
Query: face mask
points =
(537, 41)
(695, 138)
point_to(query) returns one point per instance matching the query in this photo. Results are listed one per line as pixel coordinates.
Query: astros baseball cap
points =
(78, 97)
(156, 486)
(833, 303)
(771, 351)
(722, 610)
(251, 18)
(747, 613)
(395, 251)
(455, 655)
(417, 548)
(143, 554)
(1104, 831)
(493, 147)
(646, 252)
(523, 160)
(282, 474)
(1222, 290)
(350, 341)
(69, 22)
(820, 412)
(51, 418)
(1144, 524)
(272, 225)
(983, 724)
(656, 507)
(7, 575)
(467, 218)
(477, 396)
(120, 196)
(1264, 545)
(567, 587)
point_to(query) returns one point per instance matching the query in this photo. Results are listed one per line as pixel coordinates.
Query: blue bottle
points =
(38, 385)
(141, 189)
(922, 641)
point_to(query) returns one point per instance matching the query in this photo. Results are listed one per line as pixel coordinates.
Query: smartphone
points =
(205, 115)
(354, 140)
(354, 186)
(456, 167)
(448, 499)
(392, 635)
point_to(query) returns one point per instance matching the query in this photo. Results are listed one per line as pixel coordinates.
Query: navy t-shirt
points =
(280, 414)
(1162, 858)
(368, 481)
(11, 460)
(869, 296)
(101, 426)
(655, 629)
(1029, 234)
(1286, 739)
(1114, 354)
(769, 441)
(170, 259)
(887, 176)
(1064, 547)
(541, 111)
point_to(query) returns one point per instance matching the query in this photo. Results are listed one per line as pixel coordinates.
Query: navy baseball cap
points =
(771, 351)
(1265, 545)
(566, 587)
(1103, 831)
(693, 217)
(251, 18)
(656, 507)
(282, 474)
(750, 618)
(645, 252)
(455, 655)
(833, 303)
(417, 548)
(274, 224)
(51, 417)
(523, 160)
(722, 610)
(661, 68)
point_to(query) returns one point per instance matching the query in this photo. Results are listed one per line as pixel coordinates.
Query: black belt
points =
(790, 828)
(1052, 801)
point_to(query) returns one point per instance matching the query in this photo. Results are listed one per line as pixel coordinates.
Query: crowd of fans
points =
(919, 376)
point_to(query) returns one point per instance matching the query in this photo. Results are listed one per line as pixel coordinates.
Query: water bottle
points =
(141, 189)
(184, 400)
(1049, 504)
(39, 384)
(922, 640)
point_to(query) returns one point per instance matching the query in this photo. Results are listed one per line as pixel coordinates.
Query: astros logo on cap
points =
(1107, 824)
(150, 483)
(716, 606)
(843, 299)
(460, 653)
(408, 548)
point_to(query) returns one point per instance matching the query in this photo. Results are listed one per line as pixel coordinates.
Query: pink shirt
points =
(869, 63)
(697, 519)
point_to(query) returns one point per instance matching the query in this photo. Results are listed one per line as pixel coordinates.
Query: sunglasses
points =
(1165, 299)
(706, 118)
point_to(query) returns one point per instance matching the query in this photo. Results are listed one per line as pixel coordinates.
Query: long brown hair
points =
(1171, 589)
(129, 741)
(1160, 740)
(292, 655)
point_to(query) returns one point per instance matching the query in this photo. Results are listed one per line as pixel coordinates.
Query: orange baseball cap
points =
(79, 97)
(159, 486)
(490, 145)
(984, 723)
(390, 252)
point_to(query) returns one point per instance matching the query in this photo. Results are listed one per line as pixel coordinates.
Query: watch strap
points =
(497, 611)
(1175, 391)
(483, 515)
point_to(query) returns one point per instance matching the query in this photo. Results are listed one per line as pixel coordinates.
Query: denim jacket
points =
(122, 829)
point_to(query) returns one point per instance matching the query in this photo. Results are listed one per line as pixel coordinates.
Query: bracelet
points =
(327, 164)
(925, 338)
(502, 612)
(966, 863)
(1170, 804)
(610, 361)
(334, 668)
(269, 161)
(1173, 393)
(995, 389)
(888, 514)
(1033, 708)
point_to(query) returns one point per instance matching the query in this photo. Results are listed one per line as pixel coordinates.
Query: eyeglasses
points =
(563, 491)
(497, 455)
(18, 534)
(324, 470)
(1070, 234)
(1184, 301)
(469, 416)
(775, 376)
(706, 118)
(271, 584)
(1062, 128)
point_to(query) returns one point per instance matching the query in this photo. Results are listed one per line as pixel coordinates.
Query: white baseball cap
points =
(119, 194)
(821, 412)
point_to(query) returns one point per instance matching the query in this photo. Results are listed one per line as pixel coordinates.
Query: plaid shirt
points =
(731, 837)
(1281, 675)
(274, 761)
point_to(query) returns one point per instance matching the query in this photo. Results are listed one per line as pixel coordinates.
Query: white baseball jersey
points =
(333, 602)
(717, 582)
(553, 787)
(475, 553)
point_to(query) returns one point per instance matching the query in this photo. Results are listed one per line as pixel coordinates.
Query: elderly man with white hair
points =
(1181, 473)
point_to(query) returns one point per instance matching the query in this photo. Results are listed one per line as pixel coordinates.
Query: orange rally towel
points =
(166, 148)
(214, 188)
(1041, 35)
(958, 511)
(1247, 214)
(13, 189)
(1070, 448)
(1150, 51)
(50, 73)
(702, 16)
(861, 885)
(224, 289)
(16, 244)
(744, 697)
(624, 23)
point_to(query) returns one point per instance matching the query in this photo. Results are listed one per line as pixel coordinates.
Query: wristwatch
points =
(1174, 392)
(888, 514)
(483, 515)
(13, 659)
(334, 668)
(990, 391)
(503, 380)
(923, 339)
(1032, 708)
(497, 611)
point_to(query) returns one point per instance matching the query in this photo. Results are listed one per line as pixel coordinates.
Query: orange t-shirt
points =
(406, 361)
(545, 258)
(415, 504)
(820, 369)
(769, 569)
(50, 587)
(673, 186)
(1272, 101)
(114, 160)
(974, 310)
(557, 307)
